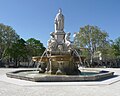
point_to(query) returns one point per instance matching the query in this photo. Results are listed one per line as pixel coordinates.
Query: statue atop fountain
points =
(59, 21)
(59, 39)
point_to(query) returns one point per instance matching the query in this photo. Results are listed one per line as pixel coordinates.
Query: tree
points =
(35, 47)
(91, 38)
(8, 36)
(116, 47)
(15, 49)
(17, 52)
(22, 51)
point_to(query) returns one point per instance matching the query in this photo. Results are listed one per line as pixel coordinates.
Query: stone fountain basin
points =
(56, 58)
(35, 76)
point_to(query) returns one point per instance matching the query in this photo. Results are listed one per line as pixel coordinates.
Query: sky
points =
(35, 18)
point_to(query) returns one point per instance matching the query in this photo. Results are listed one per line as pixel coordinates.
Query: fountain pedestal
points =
(59, 36)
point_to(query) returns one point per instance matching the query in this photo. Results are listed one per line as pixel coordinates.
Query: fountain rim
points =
(60, 78)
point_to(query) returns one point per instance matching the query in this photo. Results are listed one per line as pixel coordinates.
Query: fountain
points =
(60, 60)
(60, 57)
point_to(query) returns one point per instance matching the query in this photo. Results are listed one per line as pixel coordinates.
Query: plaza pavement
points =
(16, 87)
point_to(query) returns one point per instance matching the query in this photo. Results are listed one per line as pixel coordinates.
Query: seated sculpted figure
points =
(52, 43)
(67, 41)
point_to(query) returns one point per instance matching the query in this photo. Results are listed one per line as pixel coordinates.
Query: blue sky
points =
(35, 18)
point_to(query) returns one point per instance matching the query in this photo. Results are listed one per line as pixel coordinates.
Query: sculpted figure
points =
(59, 21)
(60, 47)
(67, 39)
(52, 42)
(68, 42)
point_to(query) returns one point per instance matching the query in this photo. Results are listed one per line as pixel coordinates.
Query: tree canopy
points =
(91, 38)
(8, 36)
(35, 47)
(16, 49)
(116, 47)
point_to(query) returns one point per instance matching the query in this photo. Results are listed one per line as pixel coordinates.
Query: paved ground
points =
(14, 87)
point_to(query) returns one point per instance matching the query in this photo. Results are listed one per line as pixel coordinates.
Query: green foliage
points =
(18, 49)
(15, 49)
(8, 36)
(108, 51)
(116, 47)
(91, 38)
(35, 47)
